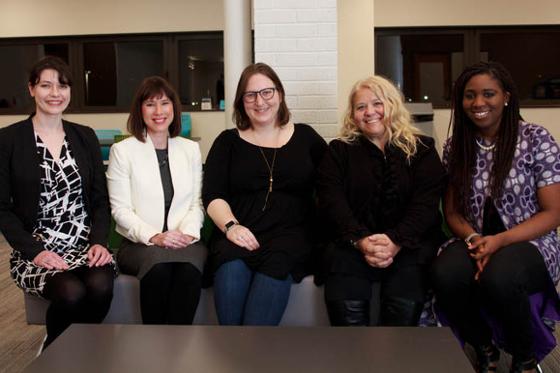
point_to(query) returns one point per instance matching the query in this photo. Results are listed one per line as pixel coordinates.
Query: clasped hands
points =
(97, 255)
(481, 249)
(378, 249)
(172, 239)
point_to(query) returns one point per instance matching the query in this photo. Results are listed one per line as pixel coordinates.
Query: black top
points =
(236, 172)
(20, 184)
(363, 191)
(166, 182)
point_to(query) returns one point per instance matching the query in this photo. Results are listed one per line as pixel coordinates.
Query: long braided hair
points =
(462, 154)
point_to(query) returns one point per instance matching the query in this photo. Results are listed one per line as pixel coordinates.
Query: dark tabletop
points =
(139, 348)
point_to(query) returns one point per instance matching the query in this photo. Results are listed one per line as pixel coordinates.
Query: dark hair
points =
(153, 86)
(53, 63)
(239, 116)
(462, 155)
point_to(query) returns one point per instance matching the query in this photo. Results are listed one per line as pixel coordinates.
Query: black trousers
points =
(513, 273)
(169, 293)
(401, 284)
(82, 295)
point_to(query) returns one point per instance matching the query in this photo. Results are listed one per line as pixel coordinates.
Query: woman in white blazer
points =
(154, 180)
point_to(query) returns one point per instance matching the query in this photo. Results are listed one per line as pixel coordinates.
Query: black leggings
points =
(513, 273)
(401, 281)
(82, 295)
(402, 293)
(169, 293)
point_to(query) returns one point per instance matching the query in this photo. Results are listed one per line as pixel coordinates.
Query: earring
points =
(506, 104)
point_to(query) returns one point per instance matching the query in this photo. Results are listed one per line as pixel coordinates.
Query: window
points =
(16, 59)
(112, 70)
(201, 71)
(424, 62)
(106, 70)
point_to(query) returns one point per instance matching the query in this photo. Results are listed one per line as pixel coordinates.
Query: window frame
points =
(170, 68)
(471, 47)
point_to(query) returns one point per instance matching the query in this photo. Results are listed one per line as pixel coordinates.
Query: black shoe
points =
(487, 358)
(397, 311)
(519, 366)
(348, 312)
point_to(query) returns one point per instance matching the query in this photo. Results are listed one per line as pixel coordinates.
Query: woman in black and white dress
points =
(54, 209)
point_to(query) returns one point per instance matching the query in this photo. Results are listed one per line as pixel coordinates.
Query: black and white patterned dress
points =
(63, 224)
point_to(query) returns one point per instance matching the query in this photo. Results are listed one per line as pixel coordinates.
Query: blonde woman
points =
(379, 187)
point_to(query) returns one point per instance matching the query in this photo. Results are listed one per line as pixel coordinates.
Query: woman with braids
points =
(379, 187)
(503, 208)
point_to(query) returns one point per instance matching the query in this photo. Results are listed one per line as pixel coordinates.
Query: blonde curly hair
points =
(397, 119)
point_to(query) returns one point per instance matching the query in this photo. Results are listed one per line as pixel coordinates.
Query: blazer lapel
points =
(30, 160)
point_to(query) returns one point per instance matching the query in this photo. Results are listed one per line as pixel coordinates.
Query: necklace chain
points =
(485, 147)
(270, 171)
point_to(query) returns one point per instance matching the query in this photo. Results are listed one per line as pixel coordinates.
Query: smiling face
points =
(51, 96)
(262, 112)
(368, 114)
(157, 113)
(483, 102)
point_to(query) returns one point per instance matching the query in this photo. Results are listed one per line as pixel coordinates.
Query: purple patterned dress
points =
(536, 164)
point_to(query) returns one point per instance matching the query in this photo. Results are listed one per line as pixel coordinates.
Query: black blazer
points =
(20, 184)
(353, 177)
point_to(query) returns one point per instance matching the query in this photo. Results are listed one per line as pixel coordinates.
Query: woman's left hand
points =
(485, 246)
(98, 256)
(380, 250)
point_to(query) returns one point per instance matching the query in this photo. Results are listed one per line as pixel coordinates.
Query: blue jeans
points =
(245, 297)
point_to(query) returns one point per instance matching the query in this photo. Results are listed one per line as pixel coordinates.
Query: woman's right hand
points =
(49, 260)
(242, 236)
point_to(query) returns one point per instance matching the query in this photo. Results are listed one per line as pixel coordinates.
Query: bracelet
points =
(470, 237)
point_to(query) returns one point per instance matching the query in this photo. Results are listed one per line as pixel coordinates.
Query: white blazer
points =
(136, 191)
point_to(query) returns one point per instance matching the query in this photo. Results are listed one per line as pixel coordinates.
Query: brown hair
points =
(53, 63)
(153, 86)
(239, 116)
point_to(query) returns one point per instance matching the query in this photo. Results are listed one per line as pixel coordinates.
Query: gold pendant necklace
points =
(270, 171)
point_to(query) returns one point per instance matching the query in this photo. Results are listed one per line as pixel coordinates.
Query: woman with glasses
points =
(258, 186)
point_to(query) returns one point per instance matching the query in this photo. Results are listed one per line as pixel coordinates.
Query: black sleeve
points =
(11, 225)
(216, 170)
(331, 194)
(98, 196)
(318, 145)
(422, 212)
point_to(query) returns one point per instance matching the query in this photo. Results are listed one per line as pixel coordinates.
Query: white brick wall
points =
(298, 39)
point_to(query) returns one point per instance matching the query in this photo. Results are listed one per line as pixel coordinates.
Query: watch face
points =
(229, 224)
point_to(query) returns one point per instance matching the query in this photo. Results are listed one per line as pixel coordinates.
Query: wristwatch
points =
(229, 225)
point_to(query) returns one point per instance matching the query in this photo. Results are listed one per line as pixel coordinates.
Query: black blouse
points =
(363, 191)
(236, 172)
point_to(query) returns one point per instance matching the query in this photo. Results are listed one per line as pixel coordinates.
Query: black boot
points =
(397, 311)
(519, 366)
(487, 358)
(348, 312)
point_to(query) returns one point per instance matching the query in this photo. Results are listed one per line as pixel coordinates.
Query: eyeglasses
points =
(266, 94)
